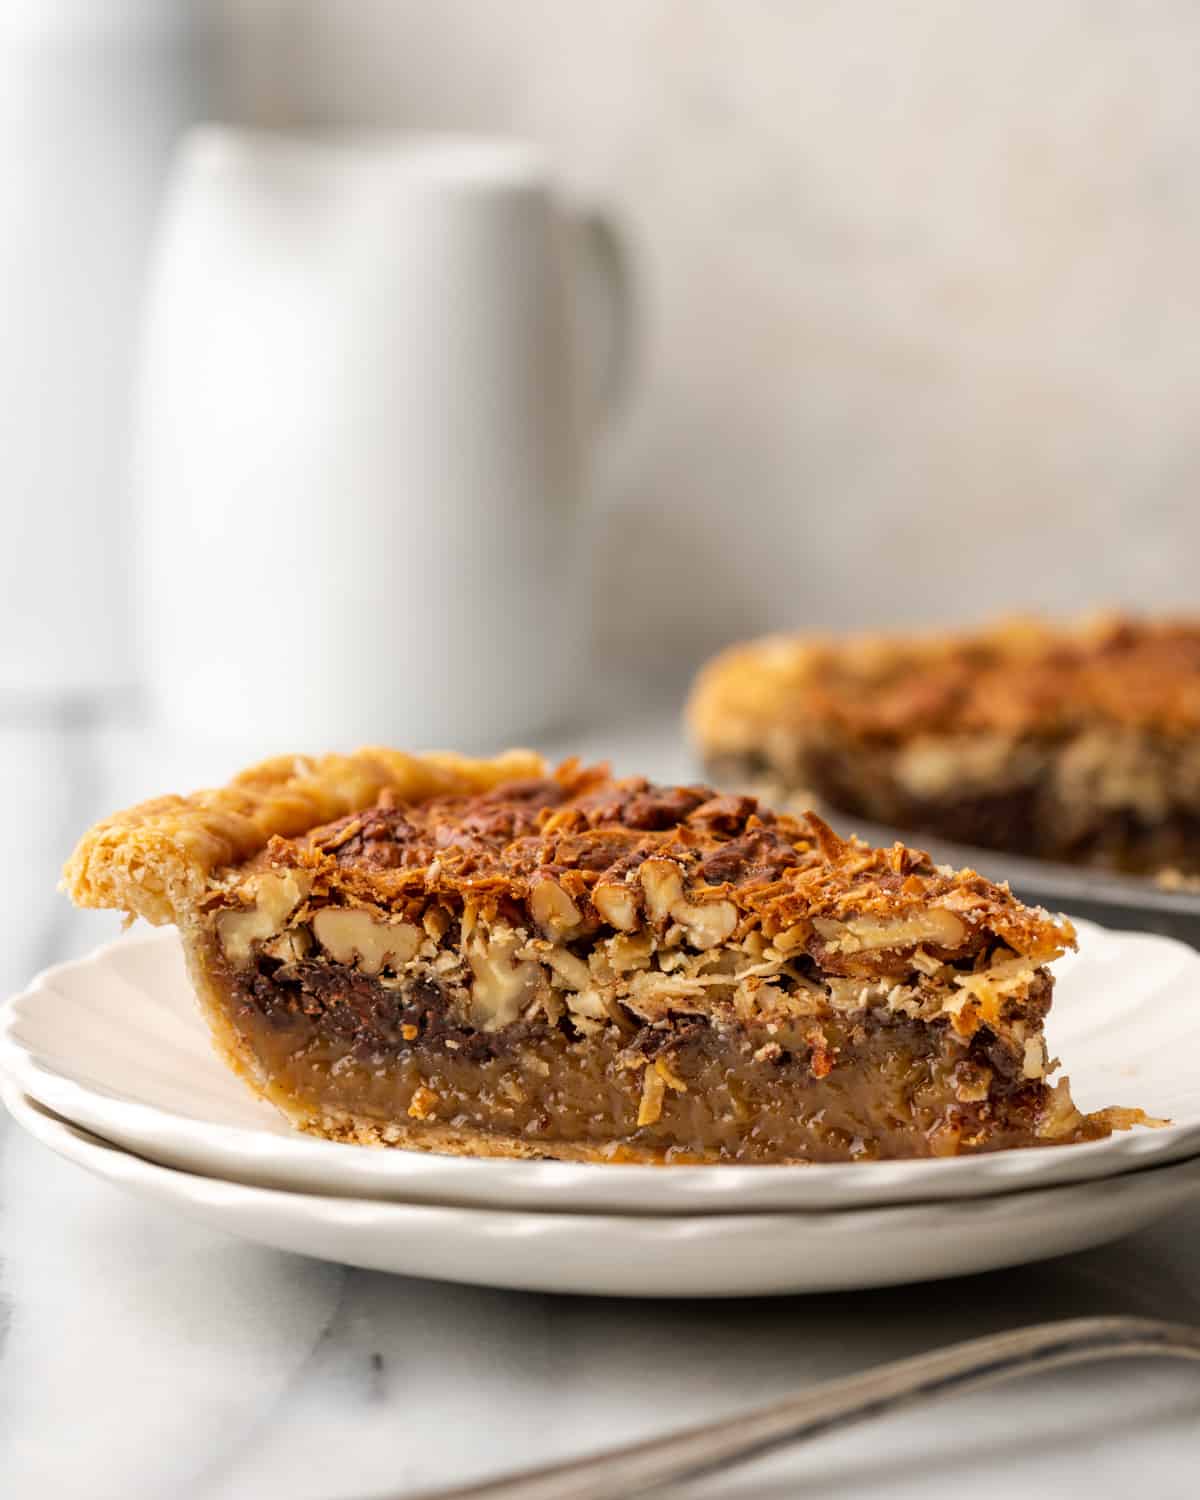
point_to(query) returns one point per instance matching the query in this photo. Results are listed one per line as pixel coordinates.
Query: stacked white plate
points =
(107, 1061)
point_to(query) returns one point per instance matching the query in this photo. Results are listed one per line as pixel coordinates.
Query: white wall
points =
(920, 285)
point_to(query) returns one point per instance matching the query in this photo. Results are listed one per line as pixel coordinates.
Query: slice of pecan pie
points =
(491, 958)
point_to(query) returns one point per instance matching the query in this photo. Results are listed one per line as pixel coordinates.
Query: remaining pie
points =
(492, 958)
(1075, 743)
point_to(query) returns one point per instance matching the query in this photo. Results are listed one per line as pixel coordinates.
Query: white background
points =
(920, 305)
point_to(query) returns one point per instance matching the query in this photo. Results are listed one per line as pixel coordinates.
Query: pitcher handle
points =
(607, 309)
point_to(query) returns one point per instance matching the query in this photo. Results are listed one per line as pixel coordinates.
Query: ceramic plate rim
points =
(932, 1213)
(296, 1162)
(677, 1255)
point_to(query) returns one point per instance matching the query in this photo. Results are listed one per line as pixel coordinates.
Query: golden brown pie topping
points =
(567, 854)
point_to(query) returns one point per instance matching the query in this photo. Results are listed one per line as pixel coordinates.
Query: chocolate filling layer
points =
(866, 1085)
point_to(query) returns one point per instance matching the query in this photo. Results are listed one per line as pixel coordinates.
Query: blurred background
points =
(915, 330)
(920, 312)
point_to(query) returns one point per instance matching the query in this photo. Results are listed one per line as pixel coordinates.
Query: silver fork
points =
(640, 1467)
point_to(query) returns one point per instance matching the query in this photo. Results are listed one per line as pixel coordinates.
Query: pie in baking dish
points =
(1077, 742)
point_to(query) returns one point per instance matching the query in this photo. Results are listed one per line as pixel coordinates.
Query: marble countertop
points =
(141, 1355)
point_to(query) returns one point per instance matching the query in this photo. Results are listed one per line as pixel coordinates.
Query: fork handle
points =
(640, 1467)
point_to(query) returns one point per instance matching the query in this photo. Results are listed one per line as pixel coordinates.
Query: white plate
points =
(114, 1042)
(704, 1255)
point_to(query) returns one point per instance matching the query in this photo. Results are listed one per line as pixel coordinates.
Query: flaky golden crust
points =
(1019, 677)
(462, 1140)
(157, 860)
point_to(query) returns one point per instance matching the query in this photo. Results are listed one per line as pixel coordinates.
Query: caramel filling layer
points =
(342, 1045)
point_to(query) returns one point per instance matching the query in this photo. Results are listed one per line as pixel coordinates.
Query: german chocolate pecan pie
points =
(488, 957)
(1076, 743)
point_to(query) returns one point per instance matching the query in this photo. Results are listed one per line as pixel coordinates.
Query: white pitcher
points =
(367, 398)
